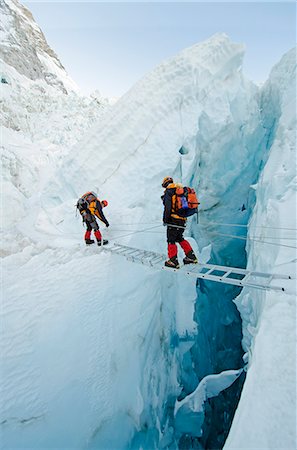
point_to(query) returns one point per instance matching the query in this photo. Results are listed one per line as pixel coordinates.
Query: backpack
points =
(185, 201)
(84, 201)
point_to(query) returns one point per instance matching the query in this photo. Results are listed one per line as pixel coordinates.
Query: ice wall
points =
(266, 416)
(96, 350)
(198, 100)
(112, 347)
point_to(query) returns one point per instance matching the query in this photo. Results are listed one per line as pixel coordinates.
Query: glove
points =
(107, 225)
(164, 224)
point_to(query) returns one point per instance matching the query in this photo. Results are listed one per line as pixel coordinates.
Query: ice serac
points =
(42, 115)
(96, 350)
(164, 111)
(24, 47)
(269, 318)
(201, 101)
(98, 334)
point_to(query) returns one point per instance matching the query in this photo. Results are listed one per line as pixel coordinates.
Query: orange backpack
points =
(186, 201)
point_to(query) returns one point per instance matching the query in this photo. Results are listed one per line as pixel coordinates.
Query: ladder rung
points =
(157, 259)
(226, 274)
(121, 251)
(249, 278)
(246, 277)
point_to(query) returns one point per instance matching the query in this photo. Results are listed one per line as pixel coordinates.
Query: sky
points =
(109, 46)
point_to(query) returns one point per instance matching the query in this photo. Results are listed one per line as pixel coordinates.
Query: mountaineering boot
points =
(89, 241)
(172, 262)
(102, 242)
(190, 258)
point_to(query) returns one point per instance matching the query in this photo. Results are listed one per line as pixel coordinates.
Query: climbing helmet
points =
(167, 181)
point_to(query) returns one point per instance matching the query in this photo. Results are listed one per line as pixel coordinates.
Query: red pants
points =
(97, 234)
(172, 248)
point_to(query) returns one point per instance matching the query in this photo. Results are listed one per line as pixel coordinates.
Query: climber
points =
(90, 207)
(175, 232)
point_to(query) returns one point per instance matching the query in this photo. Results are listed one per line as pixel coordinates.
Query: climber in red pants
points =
(90, 207)
(175, 228)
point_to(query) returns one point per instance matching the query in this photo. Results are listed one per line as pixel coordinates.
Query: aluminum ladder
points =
(220, 274)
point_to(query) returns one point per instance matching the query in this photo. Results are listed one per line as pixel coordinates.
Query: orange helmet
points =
(166, 181)
(104, 203)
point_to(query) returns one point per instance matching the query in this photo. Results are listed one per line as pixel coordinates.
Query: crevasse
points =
(110, 354)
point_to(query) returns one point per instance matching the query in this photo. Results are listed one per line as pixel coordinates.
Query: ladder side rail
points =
(138, 260)
(120, 246)
(156, 257)
(234, 282)
(225, 268)
(265, 287)
(244, 279)
(131, 251)
(274, 275)
(144, 258)
(237, 282)
(141, 256)
(123, 246)
(114, 247)
(219, 279)
(153, 258)
(121, 251)
(136, 257)
(212, 269)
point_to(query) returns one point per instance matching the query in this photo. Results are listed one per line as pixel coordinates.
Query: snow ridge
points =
(24, 47)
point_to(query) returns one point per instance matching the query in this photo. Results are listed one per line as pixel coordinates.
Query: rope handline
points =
(149, 230)
(218, 223)
(221, 234)
(245, 226)
(210, 232)
(134, 232)
(251, 239)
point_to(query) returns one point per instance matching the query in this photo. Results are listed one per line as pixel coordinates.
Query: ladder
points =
(220, 274)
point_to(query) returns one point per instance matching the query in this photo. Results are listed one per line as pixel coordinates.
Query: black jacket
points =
(167, 202)
(99, 213)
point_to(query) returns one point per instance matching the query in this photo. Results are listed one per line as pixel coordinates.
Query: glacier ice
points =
(96, 350)
(189, 412)
(269, 318)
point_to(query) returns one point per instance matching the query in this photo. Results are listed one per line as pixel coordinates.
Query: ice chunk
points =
(189, 412)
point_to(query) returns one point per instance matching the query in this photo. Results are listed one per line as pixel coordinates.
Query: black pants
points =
(175, 233)
(91, 222)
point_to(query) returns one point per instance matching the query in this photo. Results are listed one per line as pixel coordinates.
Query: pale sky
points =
(110, 45)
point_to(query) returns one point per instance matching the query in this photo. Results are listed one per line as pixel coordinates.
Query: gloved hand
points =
(164, 224)
(107, 225)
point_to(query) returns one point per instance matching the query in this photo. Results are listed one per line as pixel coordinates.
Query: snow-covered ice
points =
(97, 351)
(269, 318)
